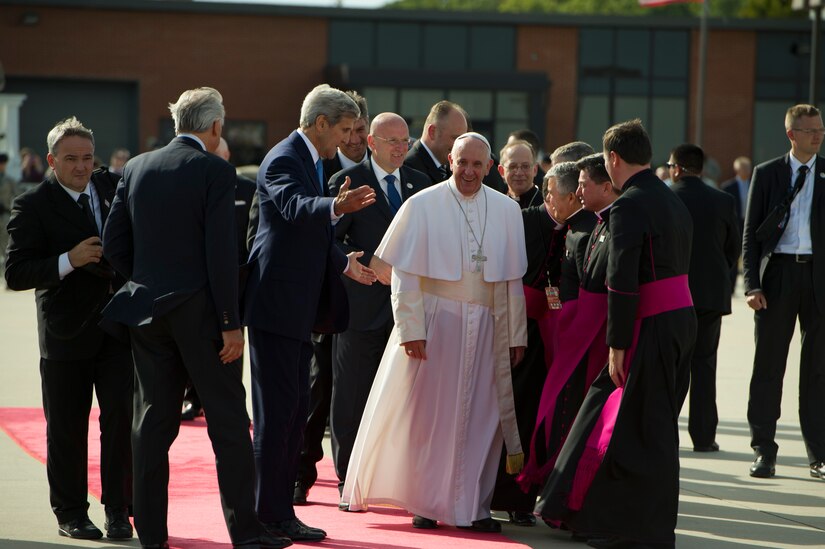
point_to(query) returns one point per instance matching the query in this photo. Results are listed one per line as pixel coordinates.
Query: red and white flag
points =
(654, 3)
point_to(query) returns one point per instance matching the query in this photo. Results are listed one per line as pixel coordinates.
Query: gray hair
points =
(196, 110)
(566, 175)
(571, 152)
(67, 128)
(473, 135)
(330, 102)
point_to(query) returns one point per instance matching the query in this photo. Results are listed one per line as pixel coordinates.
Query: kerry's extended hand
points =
(86, 251)
(615, 366)
(416, 349)
(232, 346)
(516, 356)
(349, 201)
(757, 301)
(357, 271)
(383, 270)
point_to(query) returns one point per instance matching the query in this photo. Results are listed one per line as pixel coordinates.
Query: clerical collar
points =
(600, 213)
(194, 138)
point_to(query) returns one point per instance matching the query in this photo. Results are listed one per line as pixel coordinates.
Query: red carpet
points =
(195, 518)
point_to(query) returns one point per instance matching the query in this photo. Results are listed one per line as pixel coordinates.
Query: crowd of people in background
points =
(520, 329)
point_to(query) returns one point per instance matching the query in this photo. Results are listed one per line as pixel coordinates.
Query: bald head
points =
(223, 149)
(389, 140)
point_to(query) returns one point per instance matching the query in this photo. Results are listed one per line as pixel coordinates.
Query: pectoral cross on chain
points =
(479, 258)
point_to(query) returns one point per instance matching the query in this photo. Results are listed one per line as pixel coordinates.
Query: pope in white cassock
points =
(430, 437)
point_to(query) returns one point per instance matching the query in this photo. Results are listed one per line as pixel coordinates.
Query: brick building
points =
(117, 65)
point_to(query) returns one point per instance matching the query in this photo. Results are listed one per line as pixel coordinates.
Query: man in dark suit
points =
(783, 271)
(171, 232)
(738, 189)
(295, 288)
(358, 350)
(349, 154)
(715, 251)
(54, 247)
(428, 155)
(244, 192)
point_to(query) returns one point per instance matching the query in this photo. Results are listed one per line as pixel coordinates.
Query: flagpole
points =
(700, 80)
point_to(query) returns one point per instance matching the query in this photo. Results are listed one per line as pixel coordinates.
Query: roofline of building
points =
(424, 16)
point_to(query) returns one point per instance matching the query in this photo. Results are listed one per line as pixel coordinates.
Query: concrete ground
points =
(720, 505)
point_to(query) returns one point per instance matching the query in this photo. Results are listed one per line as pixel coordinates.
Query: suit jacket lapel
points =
(68, 208)
(309, 166)
(104, 197)
(381, 201)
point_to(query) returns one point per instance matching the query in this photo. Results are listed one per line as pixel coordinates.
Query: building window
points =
(634, 73)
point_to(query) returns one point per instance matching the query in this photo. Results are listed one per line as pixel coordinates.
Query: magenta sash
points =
(546, 318)
(581, 322)
(655, 298)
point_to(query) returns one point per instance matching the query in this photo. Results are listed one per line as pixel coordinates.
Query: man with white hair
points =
(180, 305)
(294, 288)
(443, 397)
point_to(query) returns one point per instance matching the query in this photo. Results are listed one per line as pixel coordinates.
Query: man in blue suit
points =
(294, 288)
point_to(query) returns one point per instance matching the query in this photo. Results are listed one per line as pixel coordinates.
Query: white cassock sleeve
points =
(408, 306)
(517, 313)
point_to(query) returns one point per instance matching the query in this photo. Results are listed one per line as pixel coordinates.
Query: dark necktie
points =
(392, 193)
(802, 173)
(445, 172)
(319, 170)
(86, 206)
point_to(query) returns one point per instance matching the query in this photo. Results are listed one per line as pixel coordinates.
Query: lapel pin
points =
(822, 174)
(409, 185)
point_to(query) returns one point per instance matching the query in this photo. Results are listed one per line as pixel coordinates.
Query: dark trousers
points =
(702, 381)
(357, 355)
(67, 400)
(166, 352)
(320, 395)
(788, 288)
(280, 399)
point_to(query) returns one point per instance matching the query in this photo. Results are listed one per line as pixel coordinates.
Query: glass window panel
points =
(775, 57)
(400, 46)
(678, 88)
(350, 42)
(595, 46)
(632, 51)
(668, 127)
(628, 108)
(478, 104)
(670, 54)
(445, 47)
(631, 86)
(769, 139)
(594, 119)
(380, 100)
(778, 89)
(502, 132)
(416, 105)
(492, 48)
(594, 85)
(512, 104)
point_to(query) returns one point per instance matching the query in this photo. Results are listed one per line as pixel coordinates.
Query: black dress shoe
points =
(190, 411)
(345, 507)
(163, 545)
(81, 528)
(117, 524)
(264, 541)
(299, 496)
(295, 530)
(610, 543)
(487, 525)
(818, 469)
(424, 523)
(712, 447)
(763, 467)
(520, 518)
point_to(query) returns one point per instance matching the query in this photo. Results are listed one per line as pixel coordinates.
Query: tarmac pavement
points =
(721, 507)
